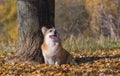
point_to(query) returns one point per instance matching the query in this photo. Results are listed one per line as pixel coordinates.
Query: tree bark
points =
(119, 18)
(32, 15)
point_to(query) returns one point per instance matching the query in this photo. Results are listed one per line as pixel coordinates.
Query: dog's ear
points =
(44, 29)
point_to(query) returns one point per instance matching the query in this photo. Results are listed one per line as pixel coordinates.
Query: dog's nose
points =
(55, 32)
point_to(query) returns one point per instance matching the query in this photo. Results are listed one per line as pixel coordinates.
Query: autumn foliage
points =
(101, 62)
(91, 18)
(8, 21)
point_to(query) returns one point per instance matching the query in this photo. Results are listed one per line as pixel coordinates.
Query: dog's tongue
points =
(54, 37)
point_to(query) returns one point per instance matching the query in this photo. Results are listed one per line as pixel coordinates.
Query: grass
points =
(6, 48)
(73, 45)
(78, 45)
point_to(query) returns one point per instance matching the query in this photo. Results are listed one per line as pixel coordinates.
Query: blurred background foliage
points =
(89, 18)
(8, 21)
(8, 26)
(80, 20)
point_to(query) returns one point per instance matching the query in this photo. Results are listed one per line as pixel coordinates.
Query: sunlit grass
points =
(6, 47)
(78, 44)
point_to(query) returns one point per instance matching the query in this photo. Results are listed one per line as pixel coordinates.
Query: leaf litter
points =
(96, 63)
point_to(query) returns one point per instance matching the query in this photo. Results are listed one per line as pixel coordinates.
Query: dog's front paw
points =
(57, 63)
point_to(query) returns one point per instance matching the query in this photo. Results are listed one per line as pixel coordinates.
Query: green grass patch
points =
(77, 45)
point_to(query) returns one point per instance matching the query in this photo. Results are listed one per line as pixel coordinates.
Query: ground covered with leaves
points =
(89, 63)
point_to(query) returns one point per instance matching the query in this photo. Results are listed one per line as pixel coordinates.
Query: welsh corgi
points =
(52, 50)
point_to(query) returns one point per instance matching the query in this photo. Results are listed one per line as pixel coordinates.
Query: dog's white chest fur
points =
(51, 53)
(52, 49)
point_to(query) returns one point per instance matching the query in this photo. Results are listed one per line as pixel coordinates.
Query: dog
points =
(52, 49)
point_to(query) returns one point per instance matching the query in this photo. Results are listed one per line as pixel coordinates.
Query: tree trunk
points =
(32, 15)
(119, 18)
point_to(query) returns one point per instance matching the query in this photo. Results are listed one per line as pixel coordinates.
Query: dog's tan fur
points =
(52, 49)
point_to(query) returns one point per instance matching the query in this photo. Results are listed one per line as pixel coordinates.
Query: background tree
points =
(32, 15)
(103, 16)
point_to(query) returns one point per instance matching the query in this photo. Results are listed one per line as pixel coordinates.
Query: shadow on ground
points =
(92, 59)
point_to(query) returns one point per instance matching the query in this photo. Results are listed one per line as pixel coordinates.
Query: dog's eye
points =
(50, 30)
